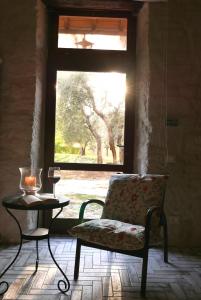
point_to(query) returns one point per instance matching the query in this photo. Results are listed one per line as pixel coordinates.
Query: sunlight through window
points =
(92, 33)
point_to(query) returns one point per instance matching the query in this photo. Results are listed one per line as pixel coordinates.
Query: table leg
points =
(37, 258)
(20, 246)
(37, 252)
(65, 282)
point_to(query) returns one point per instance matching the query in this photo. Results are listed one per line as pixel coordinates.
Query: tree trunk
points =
(121, 147)
(99, 150)
(109, 130)
(111, 143)
(82, 151)
(98, 140)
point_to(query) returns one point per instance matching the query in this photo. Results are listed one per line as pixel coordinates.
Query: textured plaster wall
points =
(143, 125)
(175, 94)
(158, 34)
(18, 92)
(41, 56)
(169, 89)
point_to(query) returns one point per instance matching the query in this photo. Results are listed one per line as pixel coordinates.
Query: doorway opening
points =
(90, 104)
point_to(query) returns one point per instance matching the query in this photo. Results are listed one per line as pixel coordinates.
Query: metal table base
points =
(65, 282)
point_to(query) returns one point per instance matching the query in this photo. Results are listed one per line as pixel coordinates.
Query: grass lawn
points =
(80, 186)
(72, 210)
(76, 158)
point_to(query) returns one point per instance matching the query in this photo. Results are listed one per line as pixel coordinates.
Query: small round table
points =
(14, 203)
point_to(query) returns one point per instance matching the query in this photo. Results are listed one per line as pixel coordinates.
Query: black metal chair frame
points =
(143, 253)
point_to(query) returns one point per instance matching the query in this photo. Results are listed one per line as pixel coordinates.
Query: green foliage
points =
(60, 146)
(70, 118)
(78, 121)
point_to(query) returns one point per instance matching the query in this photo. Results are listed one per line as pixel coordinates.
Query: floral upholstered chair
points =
(131, 220)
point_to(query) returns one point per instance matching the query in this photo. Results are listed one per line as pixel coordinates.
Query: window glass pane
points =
(92, 33)
(90, 117)
(80, 186)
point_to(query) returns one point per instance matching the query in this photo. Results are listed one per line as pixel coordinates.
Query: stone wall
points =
(143, 125)
(18, 109)
(175, 101)
(168, 109)
(41, 59)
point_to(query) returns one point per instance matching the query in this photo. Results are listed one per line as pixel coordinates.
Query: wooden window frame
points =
(95, 61)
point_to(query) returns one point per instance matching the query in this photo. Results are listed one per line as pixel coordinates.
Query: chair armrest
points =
(149, 214)
(83, 206)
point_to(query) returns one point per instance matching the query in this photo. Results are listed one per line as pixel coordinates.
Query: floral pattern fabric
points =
(128, 199)
(131, 195)
(111, 233)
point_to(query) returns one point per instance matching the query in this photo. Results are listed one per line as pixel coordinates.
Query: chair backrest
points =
(130, 195)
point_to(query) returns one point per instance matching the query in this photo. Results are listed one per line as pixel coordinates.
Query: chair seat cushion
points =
(111, 233)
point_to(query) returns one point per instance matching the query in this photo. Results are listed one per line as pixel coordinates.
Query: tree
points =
(81, 120)
(109, 127)
(70, 119)
(76, 124)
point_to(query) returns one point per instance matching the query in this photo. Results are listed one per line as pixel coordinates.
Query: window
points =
(90, 97)
(90, 117)
(92, 33)
(90, 101)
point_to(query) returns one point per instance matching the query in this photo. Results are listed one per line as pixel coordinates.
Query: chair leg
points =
(77, 260)
(165, 234)
(144, 273)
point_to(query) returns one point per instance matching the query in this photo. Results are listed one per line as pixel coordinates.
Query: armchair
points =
(131, 220)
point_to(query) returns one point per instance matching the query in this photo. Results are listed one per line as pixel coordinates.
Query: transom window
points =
(92, 33)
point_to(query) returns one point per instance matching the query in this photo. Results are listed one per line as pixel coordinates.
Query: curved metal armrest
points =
(83, 206)
(150, 212)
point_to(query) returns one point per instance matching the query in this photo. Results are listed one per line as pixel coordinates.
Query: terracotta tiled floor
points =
(103, 275)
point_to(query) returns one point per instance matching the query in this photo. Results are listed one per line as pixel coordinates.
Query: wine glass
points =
(54, 175)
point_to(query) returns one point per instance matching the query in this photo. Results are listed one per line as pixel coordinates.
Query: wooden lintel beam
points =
(100, 5)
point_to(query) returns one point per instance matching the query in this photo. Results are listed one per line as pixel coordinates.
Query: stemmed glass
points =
(54, 175)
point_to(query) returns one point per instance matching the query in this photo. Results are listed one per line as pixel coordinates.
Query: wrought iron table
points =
(13, 203)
